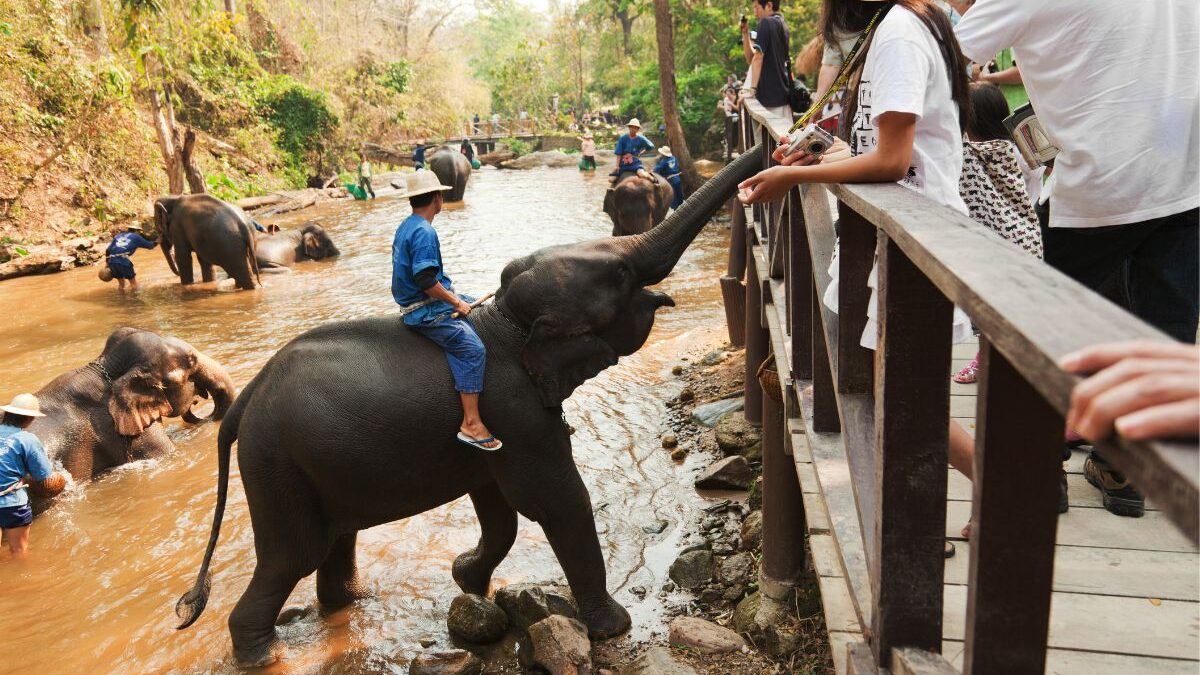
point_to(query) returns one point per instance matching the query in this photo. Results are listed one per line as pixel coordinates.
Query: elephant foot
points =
(471, 573)
(607, 621)
(333, 599)
(260, 654)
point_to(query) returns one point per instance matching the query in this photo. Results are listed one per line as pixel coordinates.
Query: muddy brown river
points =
(108, 562)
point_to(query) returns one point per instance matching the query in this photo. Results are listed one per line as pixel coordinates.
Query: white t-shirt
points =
(905, 73)
(1114, 84)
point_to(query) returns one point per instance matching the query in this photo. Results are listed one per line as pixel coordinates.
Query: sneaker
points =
(1120, 498)
(1063, 504)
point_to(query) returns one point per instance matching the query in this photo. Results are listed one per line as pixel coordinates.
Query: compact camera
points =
(811, 139)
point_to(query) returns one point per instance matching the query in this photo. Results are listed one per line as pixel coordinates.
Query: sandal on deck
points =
(479, 442)
(969, 374)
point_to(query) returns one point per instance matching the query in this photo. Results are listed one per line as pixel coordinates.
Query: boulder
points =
(548, 158)
(679, 454)
(692, 569)
(527, 604)
(731, 473)
(657, 661)
(452, 662)
(753, 454)
(735, 434)
(736, 570)
(669, 441)
(714, 357)
(744, 613)
(703, 636)
(752, 531)
(707, 415)
(476, 619)
(561, 646)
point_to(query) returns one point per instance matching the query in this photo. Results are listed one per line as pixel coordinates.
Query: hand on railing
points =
(1143, 389)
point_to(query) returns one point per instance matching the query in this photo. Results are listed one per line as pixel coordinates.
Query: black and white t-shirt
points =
(772, 40)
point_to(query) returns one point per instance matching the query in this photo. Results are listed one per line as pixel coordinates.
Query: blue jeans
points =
(464, 350)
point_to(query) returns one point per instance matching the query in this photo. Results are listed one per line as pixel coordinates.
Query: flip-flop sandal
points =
(479, 442)
(950, 550)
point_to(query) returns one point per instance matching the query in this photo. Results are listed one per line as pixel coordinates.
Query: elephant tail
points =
(251, 250)
(191, 604)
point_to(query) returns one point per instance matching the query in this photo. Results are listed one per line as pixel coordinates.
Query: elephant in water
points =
(107, 413)
(452, 168)
(635, 205)
(218, 233)
(281, 250)
(353, 424)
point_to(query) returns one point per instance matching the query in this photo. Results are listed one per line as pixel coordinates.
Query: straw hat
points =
(635, 122)
(422, 182)
(24, 404)
(665, 151)
(134, 226)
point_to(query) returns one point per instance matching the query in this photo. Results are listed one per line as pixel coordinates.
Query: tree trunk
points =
(94, 25)
(626, 22)
(665, 34)
(195, 179)
(164, 130)
(230, 7)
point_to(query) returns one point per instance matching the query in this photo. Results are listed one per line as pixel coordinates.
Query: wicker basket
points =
(768, 379)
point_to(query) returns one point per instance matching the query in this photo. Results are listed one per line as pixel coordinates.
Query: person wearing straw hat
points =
(21, 454)
(668, 167)
(587, 148)
(628, 148)
(429, 305)
(119, 254)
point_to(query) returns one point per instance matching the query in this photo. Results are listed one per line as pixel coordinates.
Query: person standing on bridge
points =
(21, 455)
(119, 255)
(628, 149)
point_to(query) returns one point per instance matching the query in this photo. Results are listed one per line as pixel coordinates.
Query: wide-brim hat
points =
(635, 122)
(24, 404)
(423, 182)
(134, 226)
(665, 151)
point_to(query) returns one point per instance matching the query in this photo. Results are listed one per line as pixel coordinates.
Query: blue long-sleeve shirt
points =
(20, 453)
(123, 246)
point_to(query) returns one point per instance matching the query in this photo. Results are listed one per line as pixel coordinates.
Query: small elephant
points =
(218, 232)
(281, 250)
(107, 413)
(635, 205)
(452, 169)
(353, 424)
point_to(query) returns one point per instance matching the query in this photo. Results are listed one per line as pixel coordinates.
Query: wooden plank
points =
(825, 404)
(911, 396)
(838, 642)
(818, 514)
(837, 604)
(1072, 662)
(825, 556)
(855, 259)
(799, 297)
(757, 339)
(920, 662)
(783, 559)
(1099, 529)
(1012, 544)
(859, 660)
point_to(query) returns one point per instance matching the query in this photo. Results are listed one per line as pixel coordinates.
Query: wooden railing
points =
(891, 407)
(484, 129)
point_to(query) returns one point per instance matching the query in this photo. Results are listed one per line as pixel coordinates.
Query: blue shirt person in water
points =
(428, 303)
(668, 167)
(418, 156)
(21, 455)
(119, 255)
(628, 148)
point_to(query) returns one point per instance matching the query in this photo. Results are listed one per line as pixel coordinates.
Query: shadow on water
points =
(110, 560)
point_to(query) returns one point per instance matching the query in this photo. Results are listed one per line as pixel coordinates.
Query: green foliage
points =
(301, 116)
(396, 76)
(518, 146)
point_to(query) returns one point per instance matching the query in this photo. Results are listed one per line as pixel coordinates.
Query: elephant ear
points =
(137, 401)
(311, 246)
(560, 358)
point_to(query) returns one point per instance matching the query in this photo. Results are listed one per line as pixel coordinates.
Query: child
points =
(119, 255)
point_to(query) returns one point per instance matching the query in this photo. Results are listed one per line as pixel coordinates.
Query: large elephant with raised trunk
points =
(635, 205)
(108, 412)
(353, 424)
(218, 232)
(452, 168)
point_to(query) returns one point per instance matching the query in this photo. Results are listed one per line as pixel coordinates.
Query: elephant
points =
(635, 205)
(452, 168)
(281, 250)
(352, 424)
(218, 232)
(107, 412)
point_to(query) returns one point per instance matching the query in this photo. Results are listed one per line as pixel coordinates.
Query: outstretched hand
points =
(766, 186)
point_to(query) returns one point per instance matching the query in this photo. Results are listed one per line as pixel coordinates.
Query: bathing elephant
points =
(288, 247)
(635, 205)
(107, 412)
(353, 424)
(452, 168)
(218, 233)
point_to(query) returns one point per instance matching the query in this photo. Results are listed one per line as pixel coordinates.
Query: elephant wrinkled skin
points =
(452, 168)
(217, 232)
(635, 205)
(286, 248)
(353, 424)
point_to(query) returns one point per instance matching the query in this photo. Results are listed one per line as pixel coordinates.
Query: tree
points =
(665, 34)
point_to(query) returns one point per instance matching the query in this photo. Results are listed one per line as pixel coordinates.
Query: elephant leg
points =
(183, 261)
(206, 271)
(337, 577)
(498, 521)
(252, 622)
(153, 442)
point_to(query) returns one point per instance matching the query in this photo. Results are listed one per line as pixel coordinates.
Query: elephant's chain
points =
(99, 366)
(510, 321)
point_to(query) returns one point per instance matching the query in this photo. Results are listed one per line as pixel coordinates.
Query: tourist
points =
(429, 305)
(668, 167)
(22, 454)
(1114, 90)
(629, 147)
(768, 53)
(119, 255)
(418, 156)
(729, 106)
(475, 123)
(364, 176)
(587, 147)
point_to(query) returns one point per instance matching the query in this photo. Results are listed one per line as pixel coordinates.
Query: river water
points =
(108, 562)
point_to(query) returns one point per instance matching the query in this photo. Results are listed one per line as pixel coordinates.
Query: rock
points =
(677, 370)
(714, 357)
(731, 473)
(734, 434)
(476, 619)
(707, 415)
(639, 591)
(548, 158)
(723, 548)
(527, 604)
(782, 641)
(736, 570)
(752, 531)
(755, 498)
(679, 454)
(452, 662)
(703, 636)
(657, 661)
(687, 395)
(753, 454)
(656, 528)
(743, 614)
(561, 646)
(668, 587)
(426, 643)
(719, 506)
(36, 263)
(670, 441)
(692, 569)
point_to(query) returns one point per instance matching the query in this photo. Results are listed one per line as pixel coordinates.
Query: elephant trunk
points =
(654, 253)
(162, 219)
(211, 380)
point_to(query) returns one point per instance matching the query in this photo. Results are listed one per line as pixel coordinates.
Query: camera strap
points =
(849, 65)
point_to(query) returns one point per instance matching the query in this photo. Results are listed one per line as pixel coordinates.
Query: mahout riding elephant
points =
(452, 168)
(108, 412)
(218, 232)
(287, 247)
(353, 424)
(635, 205)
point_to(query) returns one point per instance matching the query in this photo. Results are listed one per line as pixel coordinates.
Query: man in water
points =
(418, 156)
(668, 167)
(22, 454)
(628, 148)
(119, 255)
(364, 175)
(587, 147)
(429, 305)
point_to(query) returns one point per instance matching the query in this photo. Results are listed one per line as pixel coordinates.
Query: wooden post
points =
(783, 508)
(857, 253)
(733, 293)
(799, 291)
(757, 339)
(912, 411)
(825, 407)
(1017, 470)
